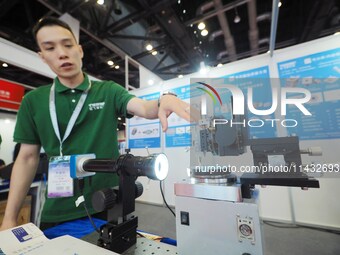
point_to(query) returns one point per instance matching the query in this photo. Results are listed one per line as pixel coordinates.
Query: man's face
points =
(60, 51)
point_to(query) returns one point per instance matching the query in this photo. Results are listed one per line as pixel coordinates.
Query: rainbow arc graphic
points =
(211, 92)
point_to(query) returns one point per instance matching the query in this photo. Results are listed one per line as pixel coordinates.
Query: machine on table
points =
(118, 204)
(217, 212)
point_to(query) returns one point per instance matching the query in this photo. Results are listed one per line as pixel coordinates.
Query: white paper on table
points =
(21, 240)
(68, 245)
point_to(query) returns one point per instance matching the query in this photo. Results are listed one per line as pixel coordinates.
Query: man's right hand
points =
(23, 173)
(6, 224)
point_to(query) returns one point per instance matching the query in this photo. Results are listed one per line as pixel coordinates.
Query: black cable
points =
(141, 235)
(90, 218)
(160, 186)
(81, 183)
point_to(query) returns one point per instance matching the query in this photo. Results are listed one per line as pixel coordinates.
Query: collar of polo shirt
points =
(60, 88)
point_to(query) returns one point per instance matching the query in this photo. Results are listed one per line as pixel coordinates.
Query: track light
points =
(201, 26)
(148, 47)
(204, 32)
(237, 18)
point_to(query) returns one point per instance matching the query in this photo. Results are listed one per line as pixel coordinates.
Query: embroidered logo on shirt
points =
(96, 106)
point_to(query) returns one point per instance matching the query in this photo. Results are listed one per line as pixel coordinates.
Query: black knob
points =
(138, 189)
(103, 200)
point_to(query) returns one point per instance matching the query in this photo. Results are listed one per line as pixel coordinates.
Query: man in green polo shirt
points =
(72, 116)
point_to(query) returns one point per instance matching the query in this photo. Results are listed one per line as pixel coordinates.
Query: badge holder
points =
(60, 183)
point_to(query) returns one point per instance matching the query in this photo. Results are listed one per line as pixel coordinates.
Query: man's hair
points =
(48, 22)
(2, 162)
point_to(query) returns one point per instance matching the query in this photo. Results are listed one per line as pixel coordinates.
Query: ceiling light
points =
(203, 69)
(150, 82)
(119, 118)
(117, 129)
(219, 65)
(117, 67)
(204, 32)
(179, 1)
(148, 47)
(154, 52)
(201, 26)
(180, 76)
(184, 11)
(101, 2)
(337, 33)
(195, 32)
(237, 18)
(280, 4)
(4, 65)
(110, 63)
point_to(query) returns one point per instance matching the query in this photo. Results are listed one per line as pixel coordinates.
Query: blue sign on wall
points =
(320, 74)
(259, 80)
(142, 132)
(179, 133)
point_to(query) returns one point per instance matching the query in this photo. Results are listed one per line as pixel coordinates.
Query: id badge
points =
(60, 184)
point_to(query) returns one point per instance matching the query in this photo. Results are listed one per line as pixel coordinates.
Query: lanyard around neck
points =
(72, 121)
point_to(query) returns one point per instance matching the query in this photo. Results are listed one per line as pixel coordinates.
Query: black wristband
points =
(164, 94)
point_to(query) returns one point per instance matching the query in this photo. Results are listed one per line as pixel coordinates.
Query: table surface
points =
(143, 246)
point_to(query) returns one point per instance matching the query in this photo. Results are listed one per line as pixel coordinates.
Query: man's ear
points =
(41, 56)
(81, 51)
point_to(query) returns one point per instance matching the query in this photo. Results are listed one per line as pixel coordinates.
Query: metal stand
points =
(118, 238)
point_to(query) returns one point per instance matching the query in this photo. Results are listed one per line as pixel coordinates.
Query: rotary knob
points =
(103, 200)
(138, 189)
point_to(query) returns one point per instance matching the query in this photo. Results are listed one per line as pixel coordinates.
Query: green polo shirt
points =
(93, 132)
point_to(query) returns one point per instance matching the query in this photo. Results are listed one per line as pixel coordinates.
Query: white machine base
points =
(205, 226)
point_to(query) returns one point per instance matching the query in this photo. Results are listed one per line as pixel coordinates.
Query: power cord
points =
(81, 184)
(280, 225)
(140, 234)
(286, 225)
(160, 186)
